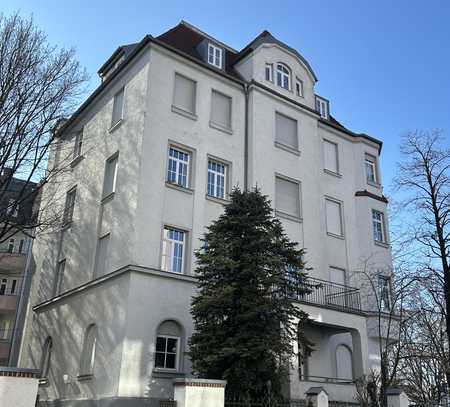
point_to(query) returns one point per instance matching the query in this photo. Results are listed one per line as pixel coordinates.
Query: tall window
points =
(88, 352)
(286, 131)
(11, 245)
(215, 55)
(344, 363)
(217, 175)
(178, 167)
(168, 341)
(269, 72)
(299, 87)
(333, 212)
(371, 168)
(330, 152)
(3, 285)
(221, 109)
(184, 94)
(69, 206)
(109, 182)
(322, 107)
(77, 148)
(384, 287)
(46, 357)
(287, 197)
(60, 276)
(101, 256)
(22, 247)
(379, 233)
(283, 77)
(173, 250)
(13, 286)
(117, 113)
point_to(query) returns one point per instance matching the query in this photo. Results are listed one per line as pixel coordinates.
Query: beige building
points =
(176, 122)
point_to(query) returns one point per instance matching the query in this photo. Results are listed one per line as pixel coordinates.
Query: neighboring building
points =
(177, 121)
(16, 209)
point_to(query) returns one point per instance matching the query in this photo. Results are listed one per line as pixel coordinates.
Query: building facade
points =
(177, 121)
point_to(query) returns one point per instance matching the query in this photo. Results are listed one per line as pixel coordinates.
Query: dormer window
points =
(215, 55)
(322, 107)
(283, 77)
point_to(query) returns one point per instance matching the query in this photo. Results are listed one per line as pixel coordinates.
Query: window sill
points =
(76, 160)
(220, 128)
(184, 113)
(107, 198)
(221, 201)
(289, 217)
(287, 148)
(382, 244)
(334, 174)
(167, 373)
(115, 126)
(374, 184)
(85, 377)
(342, 237)
(179, 188)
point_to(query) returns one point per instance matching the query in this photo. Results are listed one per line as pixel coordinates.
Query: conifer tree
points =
(245, 320)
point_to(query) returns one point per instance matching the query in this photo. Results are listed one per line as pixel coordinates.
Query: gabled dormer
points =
(212, 53)
(323, 107)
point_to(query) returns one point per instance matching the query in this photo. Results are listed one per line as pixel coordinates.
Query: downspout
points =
(246, 92)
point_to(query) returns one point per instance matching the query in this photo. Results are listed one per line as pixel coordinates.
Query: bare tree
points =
(424, 181)
(39, 86)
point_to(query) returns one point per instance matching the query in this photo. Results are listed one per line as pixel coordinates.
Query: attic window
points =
(214, 55)
(322, 107)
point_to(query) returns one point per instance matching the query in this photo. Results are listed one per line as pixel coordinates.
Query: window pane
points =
(172, 345)
(171, 361)
(216, 179)
(287, 197)
(184, 94)
(173, 250)
(160, 360)
(331, 157)
(117, 107)
(221, 109)
(160, 344)
(286, 131)
(333, 217)
(178, 167)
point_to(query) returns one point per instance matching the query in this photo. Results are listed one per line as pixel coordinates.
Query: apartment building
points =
(177, 121)
(15, 209)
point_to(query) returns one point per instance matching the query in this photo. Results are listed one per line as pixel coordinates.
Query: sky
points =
(384, 65)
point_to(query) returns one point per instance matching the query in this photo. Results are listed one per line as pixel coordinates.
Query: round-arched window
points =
(344, 363)
(283, 77)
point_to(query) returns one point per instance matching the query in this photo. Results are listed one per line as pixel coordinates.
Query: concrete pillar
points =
(199, 392)
(18, 387)
(317, 397)
(360, 353)
(396, 397)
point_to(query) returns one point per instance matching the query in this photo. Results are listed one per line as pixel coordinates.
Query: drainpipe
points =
(246, 92)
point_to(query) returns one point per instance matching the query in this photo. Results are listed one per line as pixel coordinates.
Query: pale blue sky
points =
(384, 65)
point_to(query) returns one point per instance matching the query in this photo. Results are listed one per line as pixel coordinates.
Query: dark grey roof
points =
(267, 38)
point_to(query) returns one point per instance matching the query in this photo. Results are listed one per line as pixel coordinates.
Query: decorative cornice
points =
(381, 198)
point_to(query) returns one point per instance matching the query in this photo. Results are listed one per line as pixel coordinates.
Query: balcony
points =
(330, 295)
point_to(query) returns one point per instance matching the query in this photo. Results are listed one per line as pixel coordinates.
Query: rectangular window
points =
(178, 167)
(371, 168)
(173, 250)
(269, 72)
(217, 179)
(287, 197)
(333, 212)
(13, 287)
(60, 276)
(214, 55)
(77, 148)
(221, 109)
(101, 255)
(379, 234)
(299, 87)
(22, 246)
(11, 245)
(384, 285)
(69, 206)
(322, 107)
(184, 94)
(110, 179)
(166, 356)
(117, 113)
(286, 131)
(330, 151)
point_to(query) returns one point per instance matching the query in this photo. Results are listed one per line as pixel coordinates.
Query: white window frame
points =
(283, 73)
(299, 87)
(69, 206)
(118, 120)
(179, 163)
(322, 107)
(216, 175)
(268, 72)
(114, 157)
(371, 160)
(215, 55)
(341, 217)
(177, 354)
(381, 223)
(170, 244)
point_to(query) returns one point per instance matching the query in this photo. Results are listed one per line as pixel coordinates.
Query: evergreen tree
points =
(248, 271)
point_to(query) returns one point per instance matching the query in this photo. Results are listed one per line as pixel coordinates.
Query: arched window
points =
(168, 343)
(344, 363)
(283, 77)
(46, 357)
(88, 353)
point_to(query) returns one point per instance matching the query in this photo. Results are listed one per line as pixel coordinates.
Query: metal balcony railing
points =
(331, 295)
